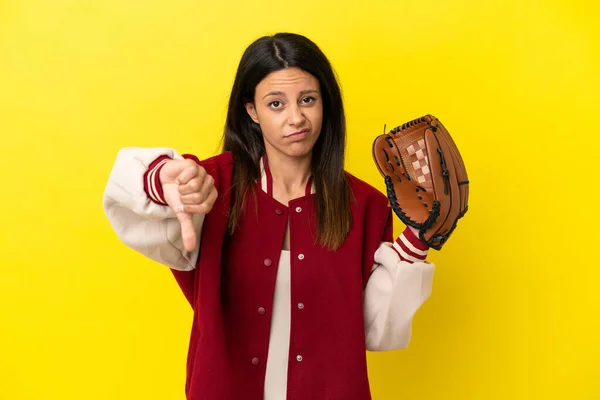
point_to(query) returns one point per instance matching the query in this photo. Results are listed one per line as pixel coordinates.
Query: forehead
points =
(287, 80)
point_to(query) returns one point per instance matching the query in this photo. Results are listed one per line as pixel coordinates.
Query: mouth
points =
(298, 134)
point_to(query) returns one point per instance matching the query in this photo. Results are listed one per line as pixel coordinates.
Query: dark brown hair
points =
(243, 138)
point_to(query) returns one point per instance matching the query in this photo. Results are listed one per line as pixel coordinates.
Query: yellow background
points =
(515, 308)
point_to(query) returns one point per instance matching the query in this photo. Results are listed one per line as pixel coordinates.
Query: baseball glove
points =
(425, 177)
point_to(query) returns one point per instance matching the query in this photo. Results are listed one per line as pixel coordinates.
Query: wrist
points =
(413, 230)
(160, 177)
(409, 247)
(153, 182)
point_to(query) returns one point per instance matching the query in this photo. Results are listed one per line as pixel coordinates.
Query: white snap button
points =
(301, 305)
(298, 209)
(299, 357)
(300, 256)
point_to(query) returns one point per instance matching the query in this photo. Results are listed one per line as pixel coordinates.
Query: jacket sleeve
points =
(138, 213)
(400, 282)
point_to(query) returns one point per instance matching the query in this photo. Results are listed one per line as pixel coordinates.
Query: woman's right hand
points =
(188, 189)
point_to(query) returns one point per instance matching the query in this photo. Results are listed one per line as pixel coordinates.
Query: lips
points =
(299, 133)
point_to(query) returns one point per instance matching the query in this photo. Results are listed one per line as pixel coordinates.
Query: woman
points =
(287, 260)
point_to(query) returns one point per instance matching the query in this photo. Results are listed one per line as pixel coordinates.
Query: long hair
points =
(243, 138)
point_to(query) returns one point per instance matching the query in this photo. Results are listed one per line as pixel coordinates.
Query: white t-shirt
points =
(279, 342)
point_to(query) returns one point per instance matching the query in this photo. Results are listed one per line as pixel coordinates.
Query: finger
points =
(197, 185)
(193, 198)
(207, 187)
(190, 172)
(188, 233)
(211, 199)
(205, 207)
(200, 196)
(192, 186)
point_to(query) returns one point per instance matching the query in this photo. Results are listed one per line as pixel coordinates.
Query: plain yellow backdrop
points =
(514, 312)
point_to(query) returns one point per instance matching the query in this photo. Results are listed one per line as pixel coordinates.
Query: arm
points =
(400, 282)
(137, 211)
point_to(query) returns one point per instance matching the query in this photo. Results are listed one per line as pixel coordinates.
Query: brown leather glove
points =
(425, 177)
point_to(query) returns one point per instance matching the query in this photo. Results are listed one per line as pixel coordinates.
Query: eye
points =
(275, 104)
(308, 100)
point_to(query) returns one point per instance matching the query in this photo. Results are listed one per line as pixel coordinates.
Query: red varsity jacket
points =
(231, 293)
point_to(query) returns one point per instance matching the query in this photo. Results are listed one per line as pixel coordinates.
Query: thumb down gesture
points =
(188, 189)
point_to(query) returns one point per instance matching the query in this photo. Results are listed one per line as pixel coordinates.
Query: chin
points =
(299, 152)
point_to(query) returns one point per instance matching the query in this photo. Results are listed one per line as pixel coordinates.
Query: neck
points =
(290, 174)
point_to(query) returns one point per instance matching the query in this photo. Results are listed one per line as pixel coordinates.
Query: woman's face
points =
(289, 109)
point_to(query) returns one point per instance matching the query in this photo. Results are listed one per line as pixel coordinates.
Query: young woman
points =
(287, 260)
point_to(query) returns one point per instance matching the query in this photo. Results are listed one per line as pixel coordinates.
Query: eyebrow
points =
(275, 93)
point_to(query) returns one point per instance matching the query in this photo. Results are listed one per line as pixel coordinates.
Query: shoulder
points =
(365, 193)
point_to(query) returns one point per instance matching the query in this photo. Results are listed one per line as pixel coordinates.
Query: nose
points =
(295, 115)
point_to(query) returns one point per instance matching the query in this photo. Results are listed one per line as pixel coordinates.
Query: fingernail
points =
(180, 208)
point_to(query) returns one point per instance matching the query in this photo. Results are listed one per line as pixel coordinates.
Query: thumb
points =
(188, 233)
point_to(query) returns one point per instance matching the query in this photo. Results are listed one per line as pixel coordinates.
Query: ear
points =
(251, 110)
